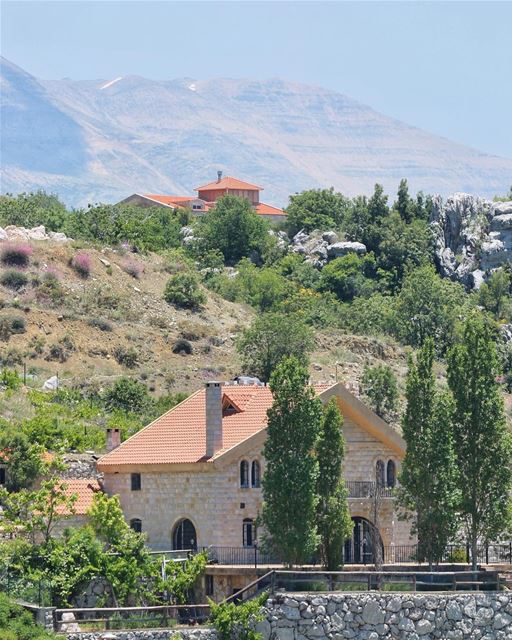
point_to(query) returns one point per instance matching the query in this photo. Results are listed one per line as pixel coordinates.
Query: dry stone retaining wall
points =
(147, 634)
(392, 616)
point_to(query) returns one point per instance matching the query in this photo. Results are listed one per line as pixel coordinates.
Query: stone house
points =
(192, 478)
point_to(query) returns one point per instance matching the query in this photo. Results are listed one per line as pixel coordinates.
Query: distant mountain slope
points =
(105, 139)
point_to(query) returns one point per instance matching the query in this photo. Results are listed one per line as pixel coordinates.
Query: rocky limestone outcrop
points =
(320, 247)
(472, 236)
(36, 233)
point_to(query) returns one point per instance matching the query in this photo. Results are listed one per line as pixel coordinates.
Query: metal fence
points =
(110, 618)
(392, 554)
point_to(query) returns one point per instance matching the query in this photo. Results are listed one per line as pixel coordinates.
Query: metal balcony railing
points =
(368, 490)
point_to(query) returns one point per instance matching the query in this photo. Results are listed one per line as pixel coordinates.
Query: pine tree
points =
(483, 443)
(289, 483)
(334, 521)
(428, 492)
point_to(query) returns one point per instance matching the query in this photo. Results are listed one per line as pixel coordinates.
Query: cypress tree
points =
(483, 442)
(334, 521)
(428, 492)
(291, 474)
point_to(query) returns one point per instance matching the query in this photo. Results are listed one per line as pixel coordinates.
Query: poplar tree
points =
(428, 494)
(291, 474)
(483, 442)
(334, 521)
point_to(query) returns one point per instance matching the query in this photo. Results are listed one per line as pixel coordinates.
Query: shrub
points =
(50, 290)
(9, 380)
(182, 290)
(458, 555)
(13, 279)
(100, 323)
(18, 624)
(128, 357)
(81, 263)
(133, 268)
(60, 351)
(16, 255)
(11, 357)
(182, 346)
(10, 326)
(238, 620)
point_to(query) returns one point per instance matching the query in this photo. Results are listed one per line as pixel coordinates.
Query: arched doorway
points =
(360, 548)
(184, 535)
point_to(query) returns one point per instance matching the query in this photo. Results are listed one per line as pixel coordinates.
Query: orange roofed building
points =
(207, 196)
(192, 478)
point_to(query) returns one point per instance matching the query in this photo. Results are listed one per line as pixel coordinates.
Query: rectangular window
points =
(209, 585)
(248, 533)
(2, 475)
(136, 482)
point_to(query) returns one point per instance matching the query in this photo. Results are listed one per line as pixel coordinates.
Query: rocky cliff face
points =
(472, 236)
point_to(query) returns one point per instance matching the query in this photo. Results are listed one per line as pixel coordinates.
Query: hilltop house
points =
(207, 196)
(192, 478)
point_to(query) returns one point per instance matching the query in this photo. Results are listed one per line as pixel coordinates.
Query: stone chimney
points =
(213, 415)
(113, 439)
(219, 176)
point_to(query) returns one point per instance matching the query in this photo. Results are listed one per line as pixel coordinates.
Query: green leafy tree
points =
(34, 514)
(428, 306)
(183, 290)
(128, 395)
(23, 460)
(126, 564)
(404, 204)
(316, 209)
(380, 387)
(181, 576)
(428, 492)
(233, 228)
(333, 515)
(483, 442)
(271, 338)
(289, 482)
(348, 276)
(494, 295)
(402, 247)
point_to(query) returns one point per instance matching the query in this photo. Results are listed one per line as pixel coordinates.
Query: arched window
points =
(248, 533)
(244, 474)
(391, 474)
(136, 524)
(255, 474)
(380, 474)
(184, 535)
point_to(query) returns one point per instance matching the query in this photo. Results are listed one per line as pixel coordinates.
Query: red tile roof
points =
(268, 210)
(84, 489)
(179, 436)
(229, 183)
(169, 200)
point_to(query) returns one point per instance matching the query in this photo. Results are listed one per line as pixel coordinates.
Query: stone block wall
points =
(389, 616)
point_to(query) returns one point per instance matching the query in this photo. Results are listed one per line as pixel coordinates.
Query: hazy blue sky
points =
(446, 67)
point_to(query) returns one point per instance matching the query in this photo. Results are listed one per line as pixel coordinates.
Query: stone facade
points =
(209, 494)
(211, 499)
(388, 616)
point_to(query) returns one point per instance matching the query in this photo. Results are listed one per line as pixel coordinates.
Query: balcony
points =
(368, 490)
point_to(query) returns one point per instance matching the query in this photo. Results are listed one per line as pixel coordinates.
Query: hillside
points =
(140, 321)
(104, 139)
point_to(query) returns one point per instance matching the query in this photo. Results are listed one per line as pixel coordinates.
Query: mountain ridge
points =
(104, 139)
